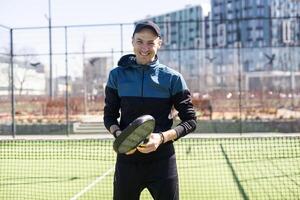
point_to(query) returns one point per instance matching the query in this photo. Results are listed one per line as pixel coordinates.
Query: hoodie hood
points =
(130, 61)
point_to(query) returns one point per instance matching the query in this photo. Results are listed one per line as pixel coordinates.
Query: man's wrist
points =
(162, 138)
(116, 133)
(170, 135)
(113, 130)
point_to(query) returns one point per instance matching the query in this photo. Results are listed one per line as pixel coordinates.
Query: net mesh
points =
(209, 168)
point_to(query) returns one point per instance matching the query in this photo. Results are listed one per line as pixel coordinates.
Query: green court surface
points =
(209, 168)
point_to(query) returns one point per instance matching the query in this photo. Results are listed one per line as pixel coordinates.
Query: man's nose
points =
(145, 47)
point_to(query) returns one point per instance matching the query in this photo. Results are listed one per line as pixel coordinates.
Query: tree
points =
(24, 67)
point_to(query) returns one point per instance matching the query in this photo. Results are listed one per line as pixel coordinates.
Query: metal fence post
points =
(67, 83)
(12, 84)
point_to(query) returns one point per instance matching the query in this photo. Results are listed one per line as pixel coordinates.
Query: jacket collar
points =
(129, 60)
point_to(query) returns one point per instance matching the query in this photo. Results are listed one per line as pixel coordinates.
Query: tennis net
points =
(210, 167)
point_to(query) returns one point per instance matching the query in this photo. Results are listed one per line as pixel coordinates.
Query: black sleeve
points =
(183, 104)
(111, 108)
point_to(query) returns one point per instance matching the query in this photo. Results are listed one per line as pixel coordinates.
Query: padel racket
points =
(134, 134)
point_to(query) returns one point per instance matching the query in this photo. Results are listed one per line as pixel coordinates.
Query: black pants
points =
(159, 177)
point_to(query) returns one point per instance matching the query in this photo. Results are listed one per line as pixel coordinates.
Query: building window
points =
(258, 2)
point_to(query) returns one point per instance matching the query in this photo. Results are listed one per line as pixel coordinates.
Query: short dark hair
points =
(147, 24)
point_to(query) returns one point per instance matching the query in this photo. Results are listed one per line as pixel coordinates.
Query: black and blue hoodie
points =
(133, 90)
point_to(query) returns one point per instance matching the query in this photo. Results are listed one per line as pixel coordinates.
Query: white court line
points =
(87, 188)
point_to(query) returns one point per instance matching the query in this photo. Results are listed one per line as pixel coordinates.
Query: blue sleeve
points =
(178, 84)
(112, 79)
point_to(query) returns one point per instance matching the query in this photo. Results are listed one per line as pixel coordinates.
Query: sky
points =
(34, 13)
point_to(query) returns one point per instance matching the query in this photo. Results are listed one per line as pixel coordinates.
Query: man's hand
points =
(118, 132)
(115, 130)
(155, 140)
(131, 151)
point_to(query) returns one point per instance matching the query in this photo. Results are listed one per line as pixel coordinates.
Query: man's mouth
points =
(144, 53)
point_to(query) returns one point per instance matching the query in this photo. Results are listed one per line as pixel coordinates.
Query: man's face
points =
(145, 45)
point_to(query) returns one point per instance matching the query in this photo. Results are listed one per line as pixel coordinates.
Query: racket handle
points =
(145, 141)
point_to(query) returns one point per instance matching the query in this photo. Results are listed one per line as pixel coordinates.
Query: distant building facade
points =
(95, 75)
(240, 21)
(247, 36)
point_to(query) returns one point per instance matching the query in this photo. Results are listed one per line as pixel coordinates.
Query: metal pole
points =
(292, 81)
(239, 44)
(179, 47)
(84, 76)
(50, 52)
(12, 85)
(121, 32)
(67, 83)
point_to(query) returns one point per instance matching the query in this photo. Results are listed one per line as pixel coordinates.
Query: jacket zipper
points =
(142, 92)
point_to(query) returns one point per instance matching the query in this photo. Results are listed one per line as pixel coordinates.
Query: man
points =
(141, 85)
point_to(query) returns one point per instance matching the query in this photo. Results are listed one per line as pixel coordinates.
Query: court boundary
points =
(92, 184)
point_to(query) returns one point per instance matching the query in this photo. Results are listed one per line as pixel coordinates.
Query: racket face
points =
(134, 134)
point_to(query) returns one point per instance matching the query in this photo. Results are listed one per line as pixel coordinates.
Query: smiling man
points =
(140, 85)
(146, 42)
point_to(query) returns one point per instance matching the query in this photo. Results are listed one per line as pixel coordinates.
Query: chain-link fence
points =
(247, 79)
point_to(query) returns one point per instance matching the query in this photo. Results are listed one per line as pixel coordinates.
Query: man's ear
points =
(160, 42)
